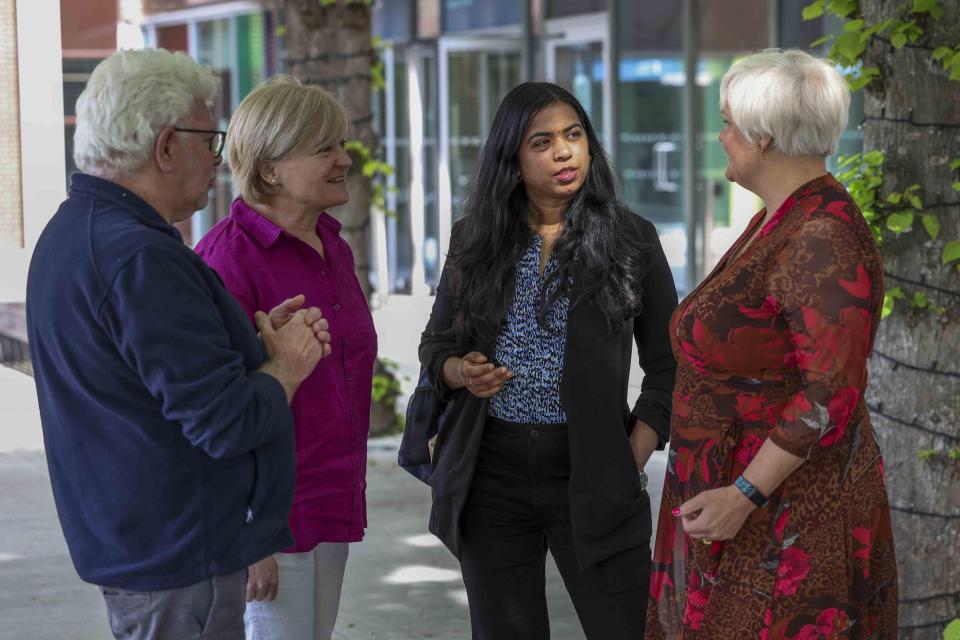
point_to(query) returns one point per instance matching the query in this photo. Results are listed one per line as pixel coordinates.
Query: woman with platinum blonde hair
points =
(774, 522)
(285, 147)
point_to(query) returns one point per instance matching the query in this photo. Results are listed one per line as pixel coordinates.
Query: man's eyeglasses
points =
(217, 139)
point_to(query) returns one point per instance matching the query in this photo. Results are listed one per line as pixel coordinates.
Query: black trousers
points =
(517, 509)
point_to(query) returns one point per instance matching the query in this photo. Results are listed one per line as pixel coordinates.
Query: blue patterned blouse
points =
(532, 353)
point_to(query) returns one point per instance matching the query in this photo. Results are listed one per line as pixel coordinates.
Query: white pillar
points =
(418, 275)
(41, 114)
(42, 163)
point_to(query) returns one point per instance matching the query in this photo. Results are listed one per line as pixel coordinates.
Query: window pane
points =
(561, 8)
(250, 44)
(464, 15)
(580, 71)
(214, 48)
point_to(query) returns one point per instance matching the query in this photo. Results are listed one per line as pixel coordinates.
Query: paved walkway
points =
(400, 584)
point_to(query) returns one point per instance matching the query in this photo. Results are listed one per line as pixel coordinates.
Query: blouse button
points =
(336, 307)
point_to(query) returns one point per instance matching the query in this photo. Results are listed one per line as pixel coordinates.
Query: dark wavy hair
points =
(599, 242)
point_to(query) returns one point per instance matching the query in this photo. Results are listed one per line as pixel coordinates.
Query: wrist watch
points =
(751, 492)
(642, 475)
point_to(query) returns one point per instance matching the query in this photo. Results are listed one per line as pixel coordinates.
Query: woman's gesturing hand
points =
(476, 374)
(716, 514)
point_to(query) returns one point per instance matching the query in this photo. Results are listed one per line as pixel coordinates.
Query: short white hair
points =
(800, 101)
(130, 97)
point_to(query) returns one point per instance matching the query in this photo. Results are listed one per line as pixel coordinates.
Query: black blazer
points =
(609, 511)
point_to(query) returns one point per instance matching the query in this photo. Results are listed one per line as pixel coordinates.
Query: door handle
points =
(661, 166)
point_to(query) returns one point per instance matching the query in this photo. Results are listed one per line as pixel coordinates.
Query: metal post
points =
(529, 43)
(613, 82)
(773, 23)
(691, 148)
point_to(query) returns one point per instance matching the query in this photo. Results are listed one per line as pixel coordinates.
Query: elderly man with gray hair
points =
(166, 420)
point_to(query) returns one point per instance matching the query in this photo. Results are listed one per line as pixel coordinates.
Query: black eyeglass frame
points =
(216, 142)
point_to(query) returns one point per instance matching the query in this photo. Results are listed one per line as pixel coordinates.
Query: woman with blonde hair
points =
(285, 147)
(774, 522)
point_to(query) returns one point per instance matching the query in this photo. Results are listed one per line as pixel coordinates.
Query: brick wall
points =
(428, 18)
(88, 28)
(11, 198)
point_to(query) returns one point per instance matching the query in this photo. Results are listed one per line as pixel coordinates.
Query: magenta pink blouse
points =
(262, 265)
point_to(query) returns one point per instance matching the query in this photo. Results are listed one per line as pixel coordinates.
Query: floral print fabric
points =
(533, 353)
(774, 344)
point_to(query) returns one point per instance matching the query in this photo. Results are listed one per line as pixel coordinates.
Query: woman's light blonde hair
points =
(798, 100)
(280, 117)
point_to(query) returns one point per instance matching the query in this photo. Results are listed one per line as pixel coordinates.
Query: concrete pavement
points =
(400, 584)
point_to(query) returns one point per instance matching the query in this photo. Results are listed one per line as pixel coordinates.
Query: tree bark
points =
(912, 114)
(331, 46)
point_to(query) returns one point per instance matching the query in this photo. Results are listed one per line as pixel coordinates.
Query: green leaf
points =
(954, 66)
(822, 40)
(955, 164)
(952, 632)
(956, 186)
(931, 224)
(873, 158)
(898, 39)
(813, 10)
(857, 82)
(894, 198)
(951, 252)
(916, 202)
(900, 222)
(928, 6)
(887, 307)
(919, 300)
(369, 168)
(940, 52)
(843, 8)
(854, 25)
(889, 298)
(846, 161)
(881, 27)
(849, 46)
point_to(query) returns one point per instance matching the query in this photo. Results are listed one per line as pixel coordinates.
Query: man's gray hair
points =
(800, 101)
(130, 97)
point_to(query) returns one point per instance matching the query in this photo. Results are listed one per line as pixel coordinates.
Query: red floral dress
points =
(774, 344)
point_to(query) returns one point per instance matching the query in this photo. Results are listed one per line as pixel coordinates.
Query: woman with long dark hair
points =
(548, 280)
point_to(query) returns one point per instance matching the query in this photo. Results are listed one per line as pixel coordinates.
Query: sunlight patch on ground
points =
(21, 415)
(420, 573)
(423, 540)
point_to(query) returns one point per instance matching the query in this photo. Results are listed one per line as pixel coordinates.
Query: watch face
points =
(643, 480)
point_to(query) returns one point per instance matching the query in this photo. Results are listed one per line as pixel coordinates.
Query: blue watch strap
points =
(751, 492)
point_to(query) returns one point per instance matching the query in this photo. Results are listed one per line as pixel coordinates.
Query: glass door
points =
(577, 59)
(474, 75)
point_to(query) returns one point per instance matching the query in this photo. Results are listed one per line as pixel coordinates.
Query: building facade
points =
(647, 72)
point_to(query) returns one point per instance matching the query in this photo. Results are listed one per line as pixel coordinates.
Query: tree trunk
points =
(913, 115)
(331, 46)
